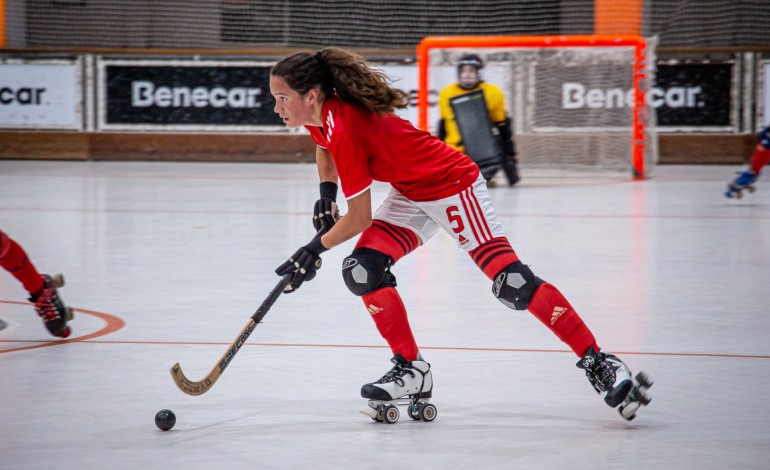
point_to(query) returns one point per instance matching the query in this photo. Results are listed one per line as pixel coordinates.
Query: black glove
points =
(326, 213)
(304, 264)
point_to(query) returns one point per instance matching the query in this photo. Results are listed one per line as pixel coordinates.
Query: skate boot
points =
(50, 307)
(407, 383)
(612, 378)
(745, 180)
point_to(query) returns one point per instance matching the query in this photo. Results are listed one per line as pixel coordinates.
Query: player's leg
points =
(14, 259)
(42, 288)
(761, 155)
(367, 274)
(474, 224)
(747, 178)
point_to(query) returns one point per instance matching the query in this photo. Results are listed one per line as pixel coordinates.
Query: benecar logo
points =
(144, 94)
(576, 96)
(23, 96)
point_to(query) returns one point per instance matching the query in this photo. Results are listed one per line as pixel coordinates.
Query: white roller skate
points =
(50, 308)
(407, 383)
(611, 378)
(744, 181)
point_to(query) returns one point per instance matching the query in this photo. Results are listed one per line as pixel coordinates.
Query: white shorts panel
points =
(469, 217)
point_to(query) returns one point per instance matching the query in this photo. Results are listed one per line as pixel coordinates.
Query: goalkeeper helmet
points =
(469, 71)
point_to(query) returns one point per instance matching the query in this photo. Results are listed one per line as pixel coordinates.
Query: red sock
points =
(760, 158)
(14, 260)
(551, 308)
(389, 314)
(493, 256)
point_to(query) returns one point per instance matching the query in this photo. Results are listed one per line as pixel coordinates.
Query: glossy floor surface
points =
(166, 262)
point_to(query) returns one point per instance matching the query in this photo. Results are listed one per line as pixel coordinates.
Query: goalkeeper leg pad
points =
(367, 270)
(515, 285)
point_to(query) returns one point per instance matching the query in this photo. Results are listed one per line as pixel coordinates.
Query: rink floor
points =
(166, 262)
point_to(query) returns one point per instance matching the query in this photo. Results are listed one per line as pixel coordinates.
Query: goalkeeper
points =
(469, 78)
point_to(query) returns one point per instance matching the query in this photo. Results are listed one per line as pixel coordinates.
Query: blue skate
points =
(745, 180)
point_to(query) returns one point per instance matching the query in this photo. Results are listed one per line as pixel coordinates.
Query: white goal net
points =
(575, 107)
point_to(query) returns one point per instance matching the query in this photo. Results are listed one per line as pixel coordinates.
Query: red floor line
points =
(435, 348)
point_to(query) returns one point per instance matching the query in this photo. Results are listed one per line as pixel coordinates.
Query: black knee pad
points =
(515, 285)
(367, 270)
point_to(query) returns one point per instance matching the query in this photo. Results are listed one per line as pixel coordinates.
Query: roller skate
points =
(407, 383)
(50, 307)
(637, 398)
(745, 180)
(611, 378)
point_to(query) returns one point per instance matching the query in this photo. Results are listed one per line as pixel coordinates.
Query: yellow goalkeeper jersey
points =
(495, 104)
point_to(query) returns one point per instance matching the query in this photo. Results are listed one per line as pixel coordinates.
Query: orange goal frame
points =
(639, 80)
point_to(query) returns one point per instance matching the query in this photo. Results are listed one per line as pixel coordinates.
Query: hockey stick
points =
(198, 388)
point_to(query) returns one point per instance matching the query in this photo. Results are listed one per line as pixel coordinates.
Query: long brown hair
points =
(342, 72)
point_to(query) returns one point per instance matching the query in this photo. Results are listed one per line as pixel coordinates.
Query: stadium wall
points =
(77, 39)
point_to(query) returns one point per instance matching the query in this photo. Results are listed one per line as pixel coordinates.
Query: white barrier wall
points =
(40, 96)
(48, 94)
(766, 119)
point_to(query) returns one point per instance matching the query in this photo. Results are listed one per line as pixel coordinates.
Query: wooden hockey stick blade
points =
(202, 386)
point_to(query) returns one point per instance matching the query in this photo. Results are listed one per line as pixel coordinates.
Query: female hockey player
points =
(348, 108)
(41, 287)
(759, 159)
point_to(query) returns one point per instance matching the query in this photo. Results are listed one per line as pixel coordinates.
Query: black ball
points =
(165, 420)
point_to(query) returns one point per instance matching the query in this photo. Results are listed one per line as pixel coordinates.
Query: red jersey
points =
(366, 147)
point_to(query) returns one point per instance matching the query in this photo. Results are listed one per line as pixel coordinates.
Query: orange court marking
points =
(433, 348)
(113, 324)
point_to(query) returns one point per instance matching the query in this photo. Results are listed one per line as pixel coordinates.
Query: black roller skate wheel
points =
(378, 417)
(428, 412)
(751, 189)
(415, 410)
(644, 380)
(390, 414)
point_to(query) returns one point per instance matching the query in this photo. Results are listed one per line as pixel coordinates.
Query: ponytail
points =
(343, 73)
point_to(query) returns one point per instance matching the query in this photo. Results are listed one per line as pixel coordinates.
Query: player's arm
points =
(327, 171)
(445, 113)
(506, 136)
(325, 211)
(499, 117)
(356, 220)
(304, 263)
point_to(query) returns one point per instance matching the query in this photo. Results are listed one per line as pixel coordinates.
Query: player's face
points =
(295, 109)
(468, 76)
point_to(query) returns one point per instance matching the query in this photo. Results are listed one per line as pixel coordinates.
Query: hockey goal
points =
(577, 102)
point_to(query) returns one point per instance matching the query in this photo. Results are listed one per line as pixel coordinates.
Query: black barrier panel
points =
(692, 94)
(200, 95)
